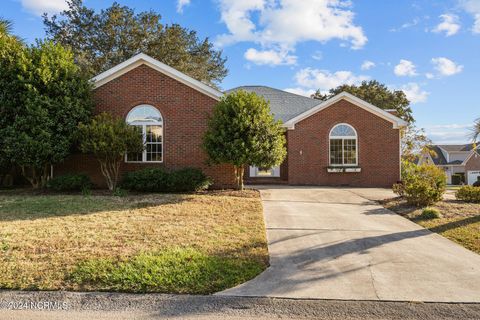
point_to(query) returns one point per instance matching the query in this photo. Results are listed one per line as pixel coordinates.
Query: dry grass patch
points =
(460, 221)
(45, 239)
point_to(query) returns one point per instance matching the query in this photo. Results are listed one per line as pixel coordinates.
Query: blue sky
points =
(430, 49)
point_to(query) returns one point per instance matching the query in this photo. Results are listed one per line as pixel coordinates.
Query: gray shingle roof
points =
(284, 105)
(438, 158)
(456, 147)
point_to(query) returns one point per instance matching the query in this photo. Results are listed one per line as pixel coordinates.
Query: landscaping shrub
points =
(422, 185)
(189, 179)
(398, 188)
(430, 213)
(70, 182)
(469, 194)
(159, 180)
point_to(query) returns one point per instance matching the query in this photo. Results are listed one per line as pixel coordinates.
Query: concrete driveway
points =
(332, 243)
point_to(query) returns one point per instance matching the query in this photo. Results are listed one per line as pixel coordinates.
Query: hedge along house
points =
(342, 141)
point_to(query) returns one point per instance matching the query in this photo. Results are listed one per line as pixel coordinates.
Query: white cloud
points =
(476, 26)
(449, 25)
(40, 7)
(301, 91)
(406, 25)
(449, 133)
(318, 55)
(446, 67)
(181, 4)
(367, 65)
(324, 80)
(472, 7)
(269, 57)
(405, 68)
(282, 24)
(429, 75)
(414, 93)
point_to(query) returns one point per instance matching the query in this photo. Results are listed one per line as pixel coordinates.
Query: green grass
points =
(56, 205)
(171, 243)
(176, 270)
(458, 221)
(464, 231)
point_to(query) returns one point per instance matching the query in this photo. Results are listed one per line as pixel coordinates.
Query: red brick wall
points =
(378, 148)
(185, 112)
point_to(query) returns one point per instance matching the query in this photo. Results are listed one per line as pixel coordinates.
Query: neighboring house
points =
(462, 159)
(342, 141)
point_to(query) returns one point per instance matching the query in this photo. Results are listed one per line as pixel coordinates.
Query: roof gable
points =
(396, 121)
(143, 59)
(456, 147)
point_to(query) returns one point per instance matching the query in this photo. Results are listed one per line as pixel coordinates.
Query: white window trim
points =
(343, 154)
(144, 125)
(254, 172)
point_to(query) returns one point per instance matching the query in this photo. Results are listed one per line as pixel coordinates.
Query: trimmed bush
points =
(422, 185)
(70, 182)
(159, 180)
(468, 194)
(430, 213)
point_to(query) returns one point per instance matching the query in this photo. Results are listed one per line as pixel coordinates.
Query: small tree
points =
(109, 139)
(414, 143)
(42, 101)
(242, 131)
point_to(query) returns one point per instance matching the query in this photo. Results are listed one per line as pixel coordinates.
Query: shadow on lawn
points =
(455, 224)
(31, 206)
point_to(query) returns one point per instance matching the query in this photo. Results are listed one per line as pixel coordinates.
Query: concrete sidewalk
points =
(333, 243)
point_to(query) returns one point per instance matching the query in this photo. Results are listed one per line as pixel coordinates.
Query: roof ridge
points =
(276, 89)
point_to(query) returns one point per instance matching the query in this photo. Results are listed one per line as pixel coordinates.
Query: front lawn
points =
(460, 221)
(198, 243)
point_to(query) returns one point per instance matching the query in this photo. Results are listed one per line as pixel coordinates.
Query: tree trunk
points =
(106, 174)
(239, 171)
(37, 179)
(110, 170)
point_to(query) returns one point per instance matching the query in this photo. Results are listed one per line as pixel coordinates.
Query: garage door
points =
(473, 176)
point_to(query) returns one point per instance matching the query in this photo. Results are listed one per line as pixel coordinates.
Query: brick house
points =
(455, 159)
(342, 141)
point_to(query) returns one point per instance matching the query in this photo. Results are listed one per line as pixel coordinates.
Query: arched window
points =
(150, 121)
(343, 145)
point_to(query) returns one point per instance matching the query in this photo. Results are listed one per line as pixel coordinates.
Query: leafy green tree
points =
(109, 139)
(43, 99)
(104, 39)
(415, 142)
(377, 94)
(242, 131)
